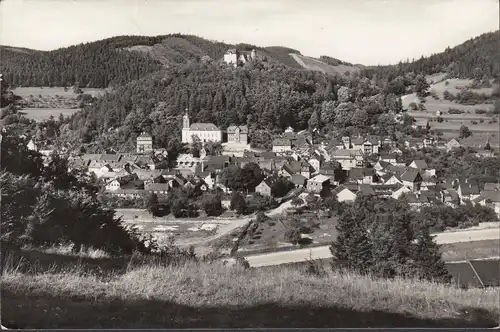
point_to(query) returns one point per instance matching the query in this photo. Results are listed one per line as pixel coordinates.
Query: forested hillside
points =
(268, 97)
(118, 60)
(476, 58)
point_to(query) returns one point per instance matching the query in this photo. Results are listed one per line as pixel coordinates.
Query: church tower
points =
(185, 128)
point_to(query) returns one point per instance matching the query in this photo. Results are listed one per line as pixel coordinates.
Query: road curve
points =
(300, 255)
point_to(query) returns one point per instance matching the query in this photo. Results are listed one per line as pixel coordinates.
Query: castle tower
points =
(185, 128)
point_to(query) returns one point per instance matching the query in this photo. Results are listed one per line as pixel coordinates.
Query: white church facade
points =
(204, 131)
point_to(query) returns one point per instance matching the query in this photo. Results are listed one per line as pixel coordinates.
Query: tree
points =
(238, 202)
(250, 176)
(196, 146)
(465, 131)
(344, 94)
(421, 86)
(281, 187)
(360, 118)
(231, 177)
(314, 122)
(297, 201)
(211, 204)
(343, 115)
(152, 204)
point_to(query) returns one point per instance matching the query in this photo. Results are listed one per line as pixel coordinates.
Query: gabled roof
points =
(470, 188)
(491, 195)
(357, 141)
(270, 181)
(366, 189)
(357, 173)
(231, 129)
(420, 164)
(320, 178)
(411, 176)
(204, 127)
(282, 142)
(110, 157)
(492, 186)
(298, 179)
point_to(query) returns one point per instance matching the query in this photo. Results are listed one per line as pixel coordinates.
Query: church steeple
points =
(185, 120)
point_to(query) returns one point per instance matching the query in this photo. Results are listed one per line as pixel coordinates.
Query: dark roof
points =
(492, 186)
(491, 195)
(469, 188)
(421, 164)
(298, 179)
(282, 142)
(110, 157)
(232, 129)
(365, 189)
(411, 176)
(204, 126)
(357, 173)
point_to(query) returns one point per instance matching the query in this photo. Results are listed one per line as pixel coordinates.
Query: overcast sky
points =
(360, 31)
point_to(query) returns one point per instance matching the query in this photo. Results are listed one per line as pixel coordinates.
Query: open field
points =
(25, 92)
(199, 295)
(317, 65)
(41, 114)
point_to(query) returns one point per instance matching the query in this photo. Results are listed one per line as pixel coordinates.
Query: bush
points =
(413, 106)
(292, 235)
(259, 202)
(480, 111)
(455, 111)
(439, 119)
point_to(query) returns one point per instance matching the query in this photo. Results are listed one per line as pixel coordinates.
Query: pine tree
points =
(427, 258)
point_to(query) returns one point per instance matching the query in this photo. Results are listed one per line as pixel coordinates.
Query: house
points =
(363, 175)
(317, 183)
(128, 193)
(429, 141)
(316, 161)
(32, 146)
(399, 192)
(371, 145)
(386, 190)
(419, 164)
(380, 166)
(348, 158)
(237, 134)
(485, 153)
(468, 190)
(265, 187)
(412, 179)
(452, 144)
(345, 194)
(491, 199)
(357, 143)
(298, 180)
(450, 197)
(282, 145)
(346, 142)
(157, 188)
(295, 167)
(489, 186)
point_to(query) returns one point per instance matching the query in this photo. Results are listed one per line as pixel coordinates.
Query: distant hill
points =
(475, 58)
(117, 60)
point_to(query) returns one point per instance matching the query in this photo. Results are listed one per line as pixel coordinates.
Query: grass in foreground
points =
(193, 295)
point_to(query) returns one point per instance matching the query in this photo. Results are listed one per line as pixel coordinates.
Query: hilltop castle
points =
(238, 57)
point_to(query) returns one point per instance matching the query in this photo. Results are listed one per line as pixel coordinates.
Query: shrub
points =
(413, 106)
(480, 111)
(455, 111)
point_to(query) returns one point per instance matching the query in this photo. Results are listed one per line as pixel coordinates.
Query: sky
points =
(368, 32)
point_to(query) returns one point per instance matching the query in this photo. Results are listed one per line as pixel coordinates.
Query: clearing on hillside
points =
(25, 92)
(42, 114)
(317, 65)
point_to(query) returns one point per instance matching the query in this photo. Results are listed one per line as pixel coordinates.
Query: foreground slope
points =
(195, 295)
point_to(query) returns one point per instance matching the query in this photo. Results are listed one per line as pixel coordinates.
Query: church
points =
(204, 131)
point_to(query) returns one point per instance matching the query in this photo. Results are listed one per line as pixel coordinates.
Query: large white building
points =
(204, 131)
(235, 57)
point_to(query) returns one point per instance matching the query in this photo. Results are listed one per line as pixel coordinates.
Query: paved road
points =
(323, 252)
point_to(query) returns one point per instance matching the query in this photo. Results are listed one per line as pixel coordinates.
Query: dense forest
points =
(118, 60)
(265, 96)
(476, 58)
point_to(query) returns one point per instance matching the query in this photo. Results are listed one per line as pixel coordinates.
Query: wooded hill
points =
(476, 58)
(118, 60)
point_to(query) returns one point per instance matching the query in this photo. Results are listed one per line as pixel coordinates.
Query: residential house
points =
(237, 134)
(348, 158)
(157, 188)
(450, 197)
(386, 190)
(452, 144)
(412, 179)
(282, 145)
(491, 199)
(298, 180)
(429, 141)
(265, 187)
(357, 143)
(317, 183)
(346, 142)
(365, 190)
(316, 161)
(363, 175)
(296, 167)
(380, 166)
(428, 181)
(345, 194)
(468, 190)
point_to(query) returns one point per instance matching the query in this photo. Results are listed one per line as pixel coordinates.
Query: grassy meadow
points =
(57, 289)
